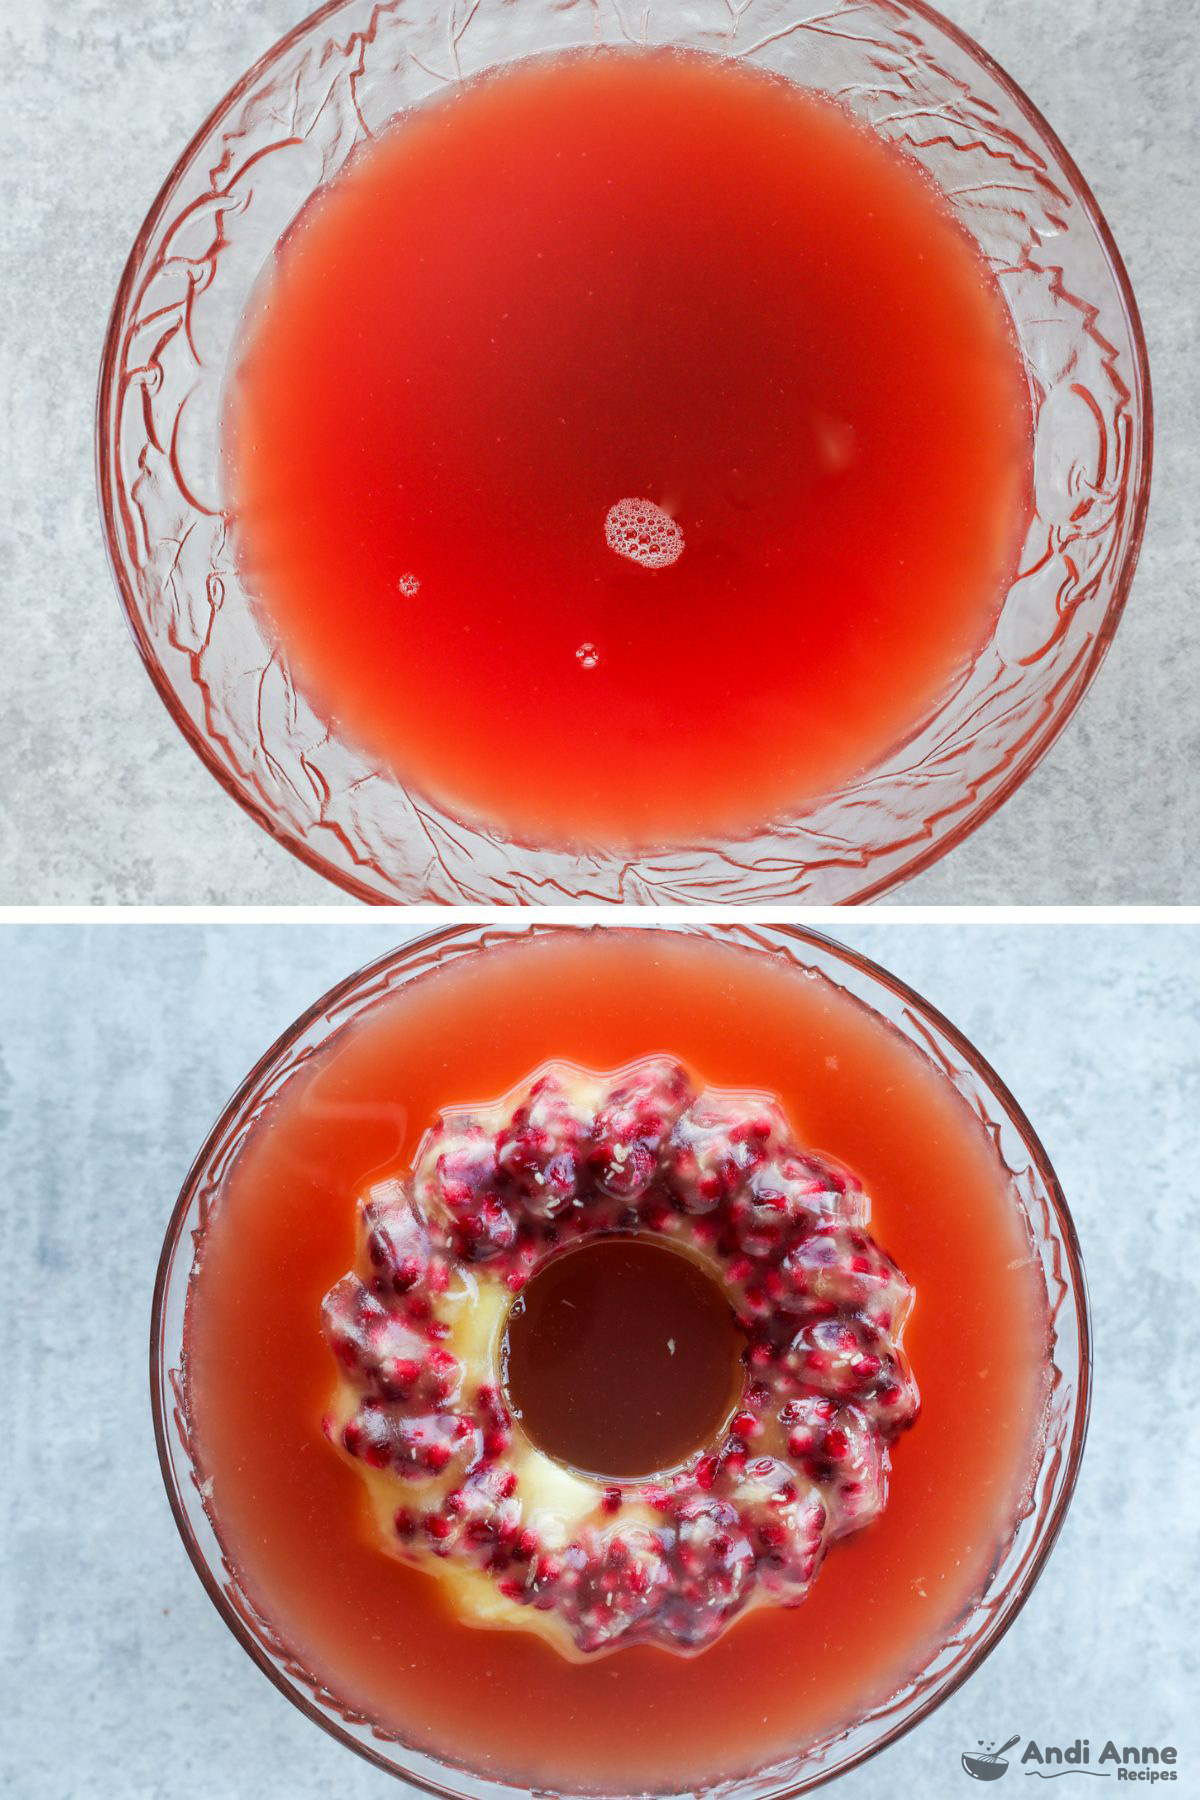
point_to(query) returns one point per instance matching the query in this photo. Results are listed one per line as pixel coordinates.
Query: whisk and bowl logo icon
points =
(988, 1764)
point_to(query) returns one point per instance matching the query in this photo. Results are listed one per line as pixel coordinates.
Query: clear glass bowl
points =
(287, 127)
(1035, 1190)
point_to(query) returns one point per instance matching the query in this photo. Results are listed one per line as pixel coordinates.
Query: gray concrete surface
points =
(119, 1045)
(100, 800)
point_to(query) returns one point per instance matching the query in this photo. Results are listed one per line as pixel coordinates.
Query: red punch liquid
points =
(648, 277)
(292, 1512)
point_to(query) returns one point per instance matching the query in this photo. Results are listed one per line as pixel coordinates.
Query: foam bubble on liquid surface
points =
(409, 585)
(644, 533)
(587, 656)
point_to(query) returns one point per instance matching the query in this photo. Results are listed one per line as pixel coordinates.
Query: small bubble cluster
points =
(409, 585)
(644, 533)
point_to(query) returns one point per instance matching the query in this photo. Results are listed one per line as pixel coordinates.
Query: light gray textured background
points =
(102, 801)
(119, 1047)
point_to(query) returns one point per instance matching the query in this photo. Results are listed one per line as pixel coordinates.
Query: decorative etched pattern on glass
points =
(289, 125)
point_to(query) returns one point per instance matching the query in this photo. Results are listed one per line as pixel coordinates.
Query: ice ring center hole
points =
(621, 1358)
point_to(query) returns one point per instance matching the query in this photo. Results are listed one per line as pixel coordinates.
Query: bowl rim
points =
(487, 935)
(923, 855)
